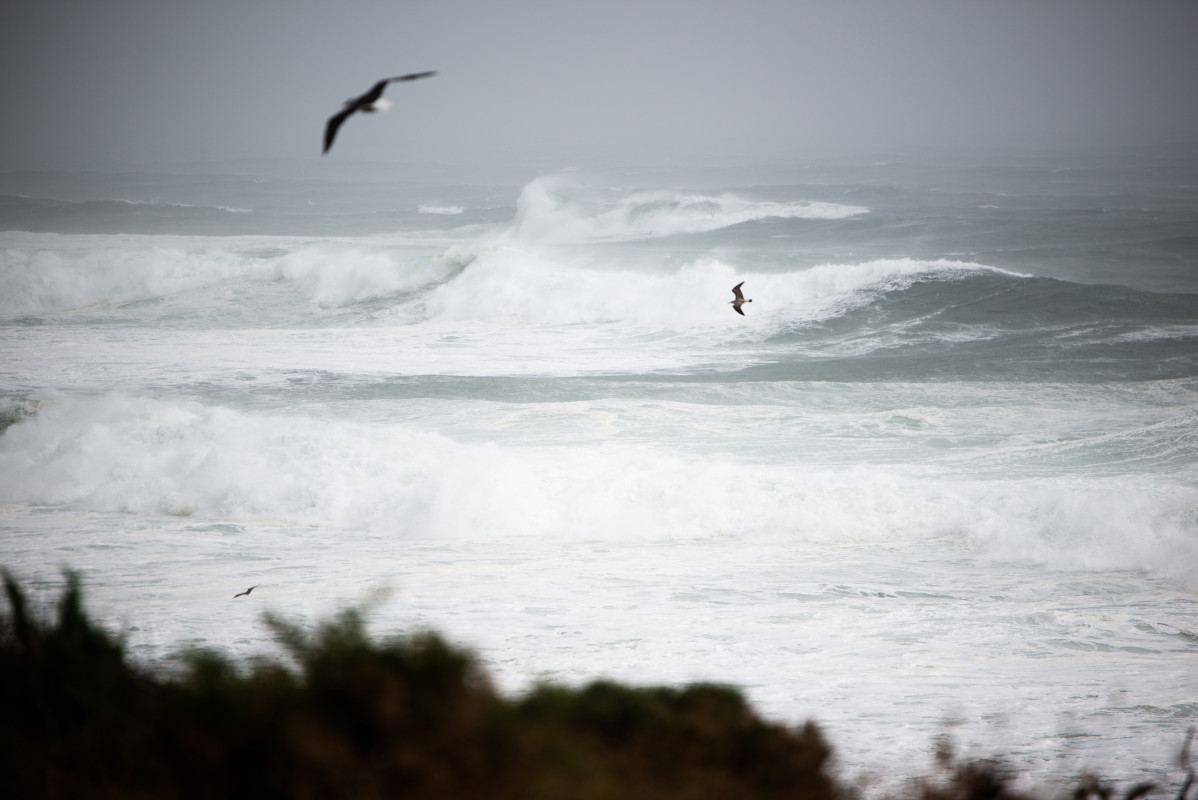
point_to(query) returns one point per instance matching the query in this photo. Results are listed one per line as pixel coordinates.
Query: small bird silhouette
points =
(370, 101)
(247, 591)
(740, 299)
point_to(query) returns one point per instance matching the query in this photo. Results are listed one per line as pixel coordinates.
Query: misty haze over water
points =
(941, 477)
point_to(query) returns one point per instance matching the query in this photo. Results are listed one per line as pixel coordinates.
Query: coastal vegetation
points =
(345, 716)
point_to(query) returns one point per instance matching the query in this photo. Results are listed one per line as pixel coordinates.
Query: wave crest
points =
(42, 273)
(547, 210)
(49, 273)
(539, 286)
(124, 454)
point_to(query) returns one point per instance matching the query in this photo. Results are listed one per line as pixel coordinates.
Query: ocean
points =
(939, 480)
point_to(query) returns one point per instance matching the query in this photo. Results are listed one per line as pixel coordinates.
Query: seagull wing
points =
(376, 91)
(330, 130)
(413, 76)
(738, 311)
(736, 291)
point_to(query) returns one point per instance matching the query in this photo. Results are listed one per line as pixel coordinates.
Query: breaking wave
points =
(117, 453)
(547, 211)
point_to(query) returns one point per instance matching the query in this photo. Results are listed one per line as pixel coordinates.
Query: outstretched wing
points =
(738, 311)
(739, 296)
(413, 76)
(330, 130)
(367, 99)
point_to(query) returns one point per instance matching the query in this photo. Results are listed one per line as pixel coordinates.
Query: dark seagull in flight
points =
(371, 101)
(740, 299)
(247, 591)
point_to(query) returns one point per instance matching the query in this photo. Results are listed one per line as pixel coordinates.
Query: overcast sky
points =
(120, 83)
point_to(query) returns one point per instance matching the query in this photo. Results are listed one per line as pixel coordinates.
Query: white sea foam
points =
(46, 272)
(567, 451)
(543, 285)
(165, 204)
(547, 211)
(1098, 524)
(489, 277)
(134, 455)
(333, 274)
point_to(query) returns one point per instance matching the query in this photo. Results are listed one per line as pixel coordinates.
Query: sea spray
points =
(141, 456)
(556, 208)
(941, 474)
(48, 273)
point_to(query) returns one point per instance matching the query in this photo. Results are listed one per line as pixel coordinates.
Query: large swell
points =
(551, 209)
(577, 311)
(944, 467)
(141, 456)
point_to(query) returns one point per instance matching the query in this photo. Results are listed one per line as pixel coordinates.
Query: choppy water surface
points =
(939, 478)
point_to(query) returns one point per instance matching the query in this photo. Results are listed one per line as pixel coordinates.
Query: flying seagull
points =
(740, 299)
(247, 591)
(371, 101)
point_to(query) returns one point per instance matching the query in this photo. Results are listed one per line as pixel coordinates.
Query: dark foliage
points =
(410, 717)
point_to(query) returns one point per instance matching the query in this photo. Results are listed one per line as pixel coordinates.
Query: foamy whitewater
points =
(940, 479)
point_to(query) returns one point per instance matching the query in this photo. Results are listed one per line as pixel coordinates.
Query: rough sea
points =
(940, 480)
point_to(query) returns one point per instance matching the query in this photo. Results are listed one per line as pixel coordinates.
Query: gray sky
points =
(122, 83)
